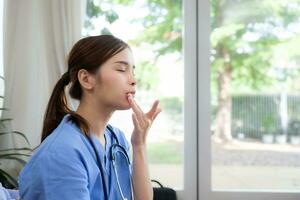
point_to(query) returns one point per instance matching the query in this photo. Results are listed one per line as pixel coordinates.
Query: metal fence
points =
(251, 113)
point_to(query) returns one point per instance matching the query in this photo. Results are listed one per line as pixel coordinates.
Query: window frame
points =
(190, 50)
(201, 10)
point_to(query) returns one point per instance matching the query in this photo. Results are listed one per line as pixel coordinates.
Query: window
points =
(254, 93)
(1, 57)
(154, 32)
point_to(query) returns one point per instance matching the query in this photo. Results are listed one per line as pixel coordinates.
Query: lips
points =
(132, 93)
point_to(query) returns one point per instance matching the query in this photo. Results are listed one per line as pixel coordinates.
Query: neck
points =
(97, 118)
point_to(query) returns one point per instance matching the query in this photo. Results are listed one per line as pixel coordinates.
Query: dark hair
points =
(88, 53)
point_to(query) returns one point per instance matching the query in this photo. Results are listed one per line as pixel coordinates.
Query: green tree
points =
(163, 26)
(93, 11)
(146, 71)
(244, 37)
(238, 60)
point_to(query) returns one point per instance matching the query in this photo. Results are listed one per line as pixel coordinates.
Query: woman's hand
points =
(142, 121)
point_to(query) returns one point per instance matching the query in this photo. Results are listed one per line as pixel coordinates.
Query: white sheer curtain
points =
(38, 34)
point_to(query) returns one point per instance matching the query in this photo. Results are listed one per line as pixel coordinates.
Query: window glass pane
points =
(1, 56)
(153, 29)
(255, 94)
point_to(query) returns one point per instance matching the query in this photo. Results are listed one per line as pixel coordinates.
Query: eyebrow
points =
(125, 63)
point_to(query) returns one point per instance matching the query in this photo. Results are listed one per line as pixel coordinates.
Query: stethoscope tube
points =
(113, 159)
(112, 156)
(100, 169)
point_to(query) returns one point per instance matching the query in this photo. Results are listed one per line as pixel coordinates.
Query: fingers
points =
(136, 109)
(153, 109)
(153, 112)
(156, 113)
(135, 120)
(142, 122)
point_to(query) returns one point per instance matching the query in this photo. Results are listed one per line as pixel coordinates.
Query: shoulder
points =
(62, 156)
(66, 137)
(64, 146)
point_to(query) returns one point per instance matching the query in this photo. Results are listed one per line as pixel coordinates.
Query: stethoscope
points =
(114, 149)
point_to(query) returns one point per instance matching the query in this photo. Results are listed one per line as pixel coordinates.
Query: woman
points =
(75, 159)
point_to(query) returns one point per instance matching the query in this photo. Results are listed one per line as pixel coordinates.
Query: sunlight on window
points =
(255, 95)
(154, 32)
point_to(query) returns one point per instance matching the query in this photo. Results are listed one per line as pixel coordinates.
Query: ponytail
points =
(88, 53)
(57, 108)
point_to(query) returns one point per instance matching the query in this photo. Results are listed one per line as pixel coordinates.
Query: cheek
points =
(108, 80)
(112, 84)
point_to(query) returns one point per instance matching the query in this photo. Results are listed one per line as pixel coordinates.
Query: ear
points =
(86, 79)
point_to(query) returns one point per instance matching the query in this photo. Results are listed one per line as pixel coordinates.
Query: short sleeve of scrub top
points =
(64, 167)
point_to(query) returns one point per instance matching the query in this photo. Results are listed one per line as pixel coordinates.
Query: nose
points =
(132, 80)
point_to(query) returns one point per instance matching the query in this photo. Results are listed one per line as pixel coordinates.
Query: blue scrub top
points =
(65, 167)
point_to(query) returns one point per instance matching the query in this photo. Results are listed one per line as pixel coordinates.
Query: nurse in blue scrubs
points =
(75, 160)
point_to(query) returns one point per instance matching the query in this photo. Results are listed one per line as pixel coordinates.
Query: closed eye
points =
(120, 70)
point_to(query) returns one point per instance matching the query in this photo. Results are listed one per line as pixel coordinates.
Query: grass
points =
(165, 152)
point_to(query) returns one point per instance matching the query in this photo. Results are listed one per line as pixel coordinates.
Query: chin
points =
(123, 107)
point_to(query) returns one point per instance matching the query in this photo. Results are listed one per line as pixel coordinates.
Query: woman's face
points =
(115, 79)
